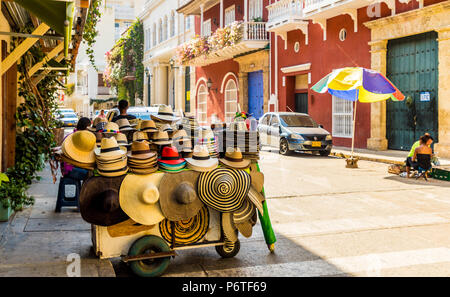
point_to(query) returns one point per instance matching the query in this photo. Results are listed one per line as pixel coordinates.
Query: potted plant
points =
(5, 203)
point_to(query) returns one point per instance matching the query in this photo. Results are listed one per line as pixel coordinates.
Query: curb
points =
(365, 158)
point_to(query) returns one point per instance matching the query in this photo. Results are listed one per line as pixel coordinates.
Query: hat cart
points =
(145, 206)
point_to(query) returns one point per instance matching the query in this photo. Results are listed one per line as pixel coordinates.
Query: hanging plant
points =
(90, 29)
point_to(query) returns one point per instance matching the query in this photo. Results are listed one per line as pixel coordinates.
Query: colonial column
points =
(266, 83)
(201, 20)
(243, 90)
(377, 140)
(221, 13)
(443, 147)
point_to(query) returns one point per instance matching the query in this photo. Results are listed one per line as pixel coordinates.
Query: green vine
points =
(35, 120)
(90, 31)
(125, 69)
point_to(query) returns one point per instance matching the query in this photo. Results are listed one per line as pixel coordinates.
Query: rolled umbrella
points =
(358, 84)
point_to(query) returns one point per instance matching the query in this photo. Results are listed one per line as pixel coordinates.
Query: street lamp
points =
(172, 64)
(149, 77)
(209, 85)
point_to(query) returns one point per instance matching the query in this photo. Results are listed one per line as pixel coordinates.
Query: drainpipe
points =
(221, 13)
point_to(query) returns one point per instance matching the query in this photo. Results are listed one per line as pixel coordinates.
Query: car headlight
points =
(296, 136)
(329, 137)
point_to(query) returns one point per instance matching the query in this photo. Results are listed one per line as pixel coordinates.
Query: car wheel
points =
(325, 153)
(284, 147)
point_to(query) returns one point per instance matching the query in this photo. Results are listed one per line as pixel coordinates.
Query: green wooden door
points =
(412, 65)
(301, 102)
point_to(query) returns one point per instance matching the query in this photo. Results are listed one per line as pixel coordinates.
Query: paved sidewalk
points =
(37, 241)
(389, 156)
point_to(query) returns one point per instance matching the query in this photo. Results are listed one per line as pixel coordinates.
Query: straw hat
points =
(224, 189)
(233, 158)
(88, 166)
(126, 228)
(201, 160)
(140, 136)
(124, 125)
(165, 114)
(121, 139)
(257, 178)
(148, 126)
(166, 127)
(109, 150)
(257, 199)
(110, 129)
(229, 228)
(99, 201)
(79, 146)
(187, 231)
(161, 138)
(140, 150)
(178, 199)
(139, 198)
(182, 141)
(243, 218)
(99, 120)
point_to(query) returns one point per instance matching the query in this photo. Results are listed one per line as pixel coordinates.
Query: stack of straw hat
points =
(141, 160)
(78, 149)
(110, 129)
(170, 160)
(206, 137)
(246, 141)
(111, 159)
(182, 141)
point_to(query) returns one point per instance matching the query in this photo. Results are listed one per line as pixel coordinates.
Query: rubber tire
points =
(224, 254)
(287, 152)
(325, 153)
(156, 244)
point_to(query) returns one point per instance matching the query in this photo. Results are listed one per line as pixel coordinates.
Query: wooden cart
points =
(147, 253)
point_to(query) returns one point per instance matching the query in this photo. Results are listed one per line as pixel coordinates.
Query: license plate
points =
(316, 144)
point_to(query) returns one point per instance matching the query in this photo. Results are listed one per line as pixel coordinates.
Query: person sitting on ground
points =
(123, 107)
(68, 169)
(409, 159)
(424, 148)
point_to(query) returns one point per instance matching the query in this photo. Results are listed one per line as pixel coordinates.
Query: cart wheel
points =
(229, 249)
(150, 267)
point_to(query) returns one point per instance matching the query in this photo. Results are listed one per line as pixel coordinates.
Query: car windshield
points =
(68, 115)
(297, 121)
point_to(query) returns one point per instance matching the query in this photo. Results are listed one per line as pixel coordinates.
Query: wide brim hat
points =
(140, 136)
(235, 160)
(99, 201)
(139, 198)
(143, 171)
(113, 173)
(141, 151)
(242, 218)
(161, 138)
(211, 164)
(229, 228)
(178, 198)
(88, 166)
(224, 189)
(148, 126)
(79, 146)
(187, 231)
(124, 125)
(257, 199)
(127, 228)
(165, 114)
(170, 156)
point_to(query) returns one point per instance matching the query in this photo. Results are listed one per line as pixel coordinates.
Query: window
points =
(265, 120)
(101, 83)
(165, 28)
(231, 102)
(188, 22)
(342, 117)
(274, 120)
(160, 32)
(172, 24)
(229, 15)
(202, 105)
(255, 9)
(117, 31)
(342, 34)
(207, 28)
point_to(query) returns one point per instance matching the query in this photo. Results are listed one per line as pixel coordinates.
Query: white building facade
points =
(166, 82)
(117, 16)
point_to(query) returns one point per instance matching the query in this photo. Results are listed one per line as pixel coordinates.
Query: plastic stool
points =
(62, 199)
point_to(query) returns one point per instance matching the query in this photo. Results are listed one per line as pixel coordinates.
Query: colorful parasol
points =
(358, 84)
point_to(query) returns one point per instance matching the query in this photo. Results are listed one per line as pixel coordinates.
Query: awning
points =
(56, 14)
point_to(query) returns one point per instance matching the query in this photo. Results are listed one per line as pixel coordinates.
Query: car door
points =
(274, 131)
(263, 129)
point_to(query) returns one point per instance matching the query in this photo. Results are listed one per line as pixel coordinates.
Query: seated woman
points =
(423, 149)
(409, 159)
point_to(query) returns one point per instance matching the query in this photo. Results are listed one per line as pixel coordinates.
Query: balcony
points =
(254, 36)
(285, 16)
(103, 90)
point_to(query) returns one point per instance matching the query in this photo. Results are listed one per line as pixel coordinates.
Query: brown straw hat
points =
(141, 150)
(139, 198)
(110, 129)
(126, 228)
(140, 136)
(242, 218)
(233, 158)
(257, 177)
(109, 150)
(99, 201)
(148, 126)
(178, 198)
(201, 160)
(165, 114)
(79, 146)
(121, 139)
(124, 125)
(257, 199)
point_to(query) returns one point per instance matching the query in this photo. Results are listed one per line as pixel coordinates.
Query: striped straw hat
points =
(224, 189)
(187, 231)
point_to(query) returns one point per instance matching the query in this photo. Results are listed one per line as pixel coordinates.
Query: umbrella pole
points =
(354, 126)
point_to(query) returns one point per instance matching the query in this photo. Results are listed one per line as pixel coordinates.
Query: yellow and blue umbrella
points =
(358, 84)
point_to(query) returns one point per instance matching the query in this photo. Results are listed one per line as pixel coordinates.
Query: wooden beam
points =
(44, 73)
(47, 58)
(20, 50)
